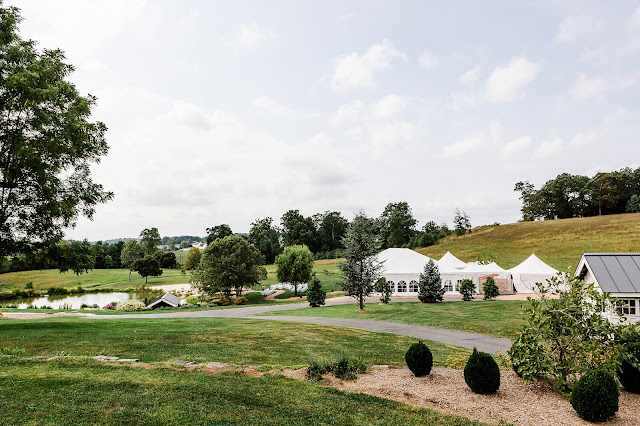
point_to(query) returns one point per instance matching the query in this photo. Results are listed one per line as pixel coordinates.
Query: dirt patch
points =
(37, 315)
(444, 390)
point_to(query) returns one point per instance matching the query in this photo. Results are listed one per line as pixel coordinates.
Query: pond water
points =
(74, 301)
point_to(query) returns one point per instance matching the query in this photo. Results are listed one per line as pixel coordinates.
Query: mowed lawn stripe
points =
(230, 340)
(494, 318)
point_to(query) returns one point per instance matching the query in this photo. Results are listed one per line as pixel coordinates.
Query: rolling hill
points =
(560, 243)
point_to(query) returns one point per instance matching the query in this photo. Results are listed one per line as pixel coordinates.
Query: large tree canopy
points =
(47, 143)
(397, 225)
(266, 238)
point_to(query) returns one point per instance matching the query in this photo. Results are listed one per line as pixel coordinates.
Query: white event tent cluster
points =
(402, 268)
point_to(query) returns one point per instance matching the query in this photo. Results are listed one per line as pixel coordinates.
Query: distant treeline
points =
(569, 196)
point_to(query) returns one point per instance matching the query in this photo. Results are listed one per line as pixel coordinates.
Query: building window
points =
(402, 287)
(458, 285)
(448, 285)
(413, 286)
(392, 286)
(627, 307)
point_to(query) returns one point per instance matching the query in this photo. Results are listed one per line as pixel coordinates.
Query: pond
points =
(74, 301)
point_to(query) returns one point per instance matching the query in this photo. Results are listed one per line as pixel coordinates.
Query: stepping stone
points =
(217, 365)
(186, 363)
(106, 358)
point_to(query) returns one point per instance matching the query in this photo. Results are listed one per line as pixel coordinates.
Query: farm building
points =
(618, 274)
(166, 300)
(528, 273)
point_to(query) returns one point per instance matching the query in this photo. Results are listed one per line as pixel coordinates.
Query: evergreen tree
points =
(633, 206)
(490, 289)
(430, 289)
(384, 289)
(467, 288)
(315, 294)
(361, 270)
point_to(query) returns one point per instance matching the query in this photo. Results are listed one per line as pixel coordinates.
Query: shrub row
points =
(345, 368)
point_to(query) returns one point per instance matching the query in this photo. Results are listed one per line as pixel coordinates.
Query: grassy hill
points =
(560, 243)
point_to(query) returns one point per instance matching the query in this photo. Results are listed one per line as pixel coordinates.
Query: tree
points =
(383, 287)
(397, 224)
(298, 230)
(331, 228)
(47, 144)
(76, 256)
(265, 237)
(490, 289)
(565, 334)
(315, 294)
(171, 243)
(192, 260)
(150, 240)
(361, 269)
(166, 259)
(295, 265)
(430, 289)
(431, 232)
(228, 264)
(467, 288)
(217, 232)
(633, 206)
(147, 266)
(461, 222)
(131, 251)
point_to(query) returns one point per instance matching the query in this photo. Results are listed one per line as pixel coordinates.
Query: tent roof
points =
(449, 260)
(533, 266)
(478, 268)
(402, 261)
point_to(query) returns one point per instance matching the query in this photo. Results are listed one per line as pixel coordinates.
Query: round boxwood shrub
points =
(482, 373)
(628, 374)
(419, 359)
(595, 396)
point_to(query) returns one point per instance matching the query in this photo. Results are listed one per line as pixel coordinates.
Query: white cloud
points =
(587, 87)
(389, 106)
(505, 84)
(633, 24)
(516, 146)
(583, 139)
(428, 61)
(549, 147)
(458, 101)
(355, 71)
(463, 146)
(348, 114)
(272, 107)
(470, 76)
(574, 28)
(248, 37)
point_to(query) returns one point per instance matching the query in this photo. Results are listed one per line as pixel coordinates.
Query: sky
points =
(228, 112)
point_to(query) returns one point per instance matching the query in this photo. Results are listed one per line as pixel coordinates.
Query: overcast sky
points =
(229, 111)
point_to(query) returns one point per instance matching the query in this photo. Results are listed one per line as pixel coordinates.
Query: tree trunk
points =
(295, 289)
(129, 274)
(361, 301)
(145, 279)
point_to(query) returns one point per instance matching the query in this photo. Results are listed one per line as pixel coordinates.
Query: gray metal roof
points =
(615, 272)
(169, 298)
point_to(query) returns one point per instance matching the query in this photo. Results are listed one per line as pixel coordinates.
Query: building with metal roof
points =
(166, 300)
(618, 274)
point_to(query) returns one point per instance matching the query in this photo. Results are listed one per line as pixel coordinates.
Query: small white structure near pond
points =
(166, 300)
(528, 273)
(618, 274)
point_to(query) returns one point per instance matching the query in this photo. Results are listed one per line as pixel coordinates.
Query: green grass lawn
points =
(560, 243)
(493, 318)
(326, 270)
(237, 341)
(79, 393)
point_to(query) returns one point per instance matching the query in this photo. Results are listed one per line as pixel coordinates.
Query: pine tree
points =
(430, 289)
(384, 289)
(315, 294)
(467, 288)
(490, 289)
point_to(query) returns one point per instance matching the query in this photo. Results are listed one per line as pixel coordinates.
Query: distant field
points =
(326, 270)
(560, 243)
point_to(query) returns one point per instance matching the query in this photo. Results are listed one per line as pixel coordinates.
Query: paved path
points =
(452, 337)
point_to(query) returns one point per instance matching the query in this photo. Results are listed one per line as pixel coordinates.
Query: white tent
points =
(528, 273)
(450, 260)
(475, 270)
(402, 268)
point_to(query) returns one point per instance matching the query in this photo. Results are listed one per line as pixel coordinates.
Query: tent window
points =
(458, 285)
(392, 285)
(627, 307)
(413, 286)
(402, 287)
(448, 285)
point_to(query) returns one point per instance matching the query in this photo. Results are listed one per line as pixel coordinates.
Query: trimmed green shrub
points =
(315, 295)
(467, 288)
(344, 367)
(316, 370)
(419, 359)
(482, 373)
(490, 289)
(383, 287)
(628, 374)
(595, 396)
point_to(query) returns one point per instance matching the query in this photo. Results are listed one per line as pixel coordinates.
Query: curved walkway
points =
(453, 337)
